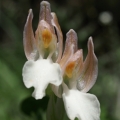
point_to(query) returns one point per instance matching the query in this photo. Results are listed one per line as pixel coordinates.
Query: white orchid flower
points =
(42, 51)
(78, 78)
(70, 77)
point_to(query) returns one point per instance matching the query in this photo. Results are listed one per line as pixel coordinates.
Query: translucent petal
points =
(84, 106)
(59, 34)
(90, 70)
(28, 38)
(39, 74)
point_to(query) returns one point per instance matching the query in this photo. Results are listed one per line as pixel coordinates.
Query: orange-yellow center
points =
(46, 37)
(69, 69)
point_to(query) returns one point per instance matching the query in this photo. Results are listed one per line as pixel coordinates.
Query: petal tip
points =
(45, 3)
(30, 14)
(71, 31)
(90, 43)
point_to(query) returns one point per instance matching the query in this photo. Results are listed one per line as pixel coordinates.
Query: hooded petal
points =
(70, 48)
(39, 74)
(84, 106)
(90, 70)
(28, 38)
(46, 39)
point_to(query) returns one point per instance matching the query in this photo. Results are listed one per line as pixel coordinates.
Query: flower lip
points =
(38, 74)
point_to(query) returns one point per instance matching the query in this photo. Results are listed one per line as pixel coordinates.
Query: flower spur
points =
(70, 77)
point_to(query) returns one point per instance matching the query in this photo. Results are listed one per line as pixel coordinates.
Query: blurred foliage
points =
(97, 18)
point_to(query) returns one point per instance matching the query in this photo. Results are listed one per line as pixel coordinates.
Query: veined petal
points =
(84, 106)
(39, 74)
(90, 70)
(28, 38)
(60, 36)
(70, 47)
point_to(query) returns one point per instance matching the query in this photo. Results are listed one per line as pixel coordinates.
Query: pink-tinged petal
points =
(74, 68)
(45, 13)
(28, 38)
(84, 106)
(70, 47)
(74, 64)
(90, 69)
(59, 34)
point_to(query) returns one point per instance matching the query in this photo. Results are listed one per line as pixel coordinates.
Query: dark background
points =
(97, 18)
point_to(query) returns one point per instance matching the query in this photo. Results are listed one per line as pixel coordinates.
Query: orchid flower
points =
(69, 76)
(78, 78)
(42, 51)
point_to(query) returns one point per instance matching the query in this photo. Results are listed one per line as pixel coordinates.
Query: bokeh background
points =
(97, 18)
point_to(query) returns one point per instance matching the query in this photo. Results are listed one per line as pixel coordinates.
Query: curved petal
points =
(59, 34)
(84, 106)
(90, 70)
(28, 38)
(39, 74)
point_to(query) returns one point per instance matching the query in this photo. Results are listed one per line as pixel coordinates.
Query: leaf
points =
(51, 109)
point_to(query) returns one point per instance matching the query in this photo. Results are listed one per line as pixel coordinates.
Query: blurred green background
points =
(97, 18)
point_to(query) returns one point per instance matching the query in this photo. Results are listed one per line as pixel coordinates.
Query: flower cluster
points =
(68, 75)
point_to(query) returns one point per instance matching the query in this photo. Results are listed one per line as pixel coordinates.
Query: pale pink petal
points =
(28, 38)
(90, 69)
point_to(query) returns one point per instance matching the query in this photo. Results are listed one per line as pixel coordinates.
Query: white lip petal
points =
(84, 106)
(39, 74)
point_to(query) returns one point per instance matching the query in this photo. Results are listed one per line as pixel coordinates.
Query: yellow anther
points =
(46, 37)
(69, 69)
